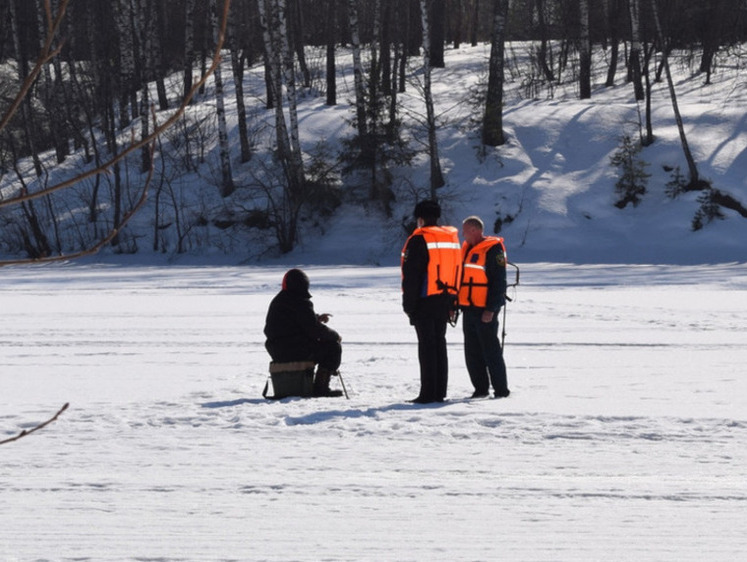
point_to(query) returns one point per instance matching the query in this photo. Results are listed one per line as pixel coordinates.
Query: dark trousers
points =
(327, 354)
(430, 326)
(482, 352)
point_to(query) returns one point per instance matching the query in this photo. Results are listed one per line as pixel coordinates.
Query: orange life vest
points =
(473, 290)
(444, 259)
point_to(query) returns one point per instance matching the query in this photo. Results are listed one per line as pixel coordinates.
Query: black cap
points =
(427, 210)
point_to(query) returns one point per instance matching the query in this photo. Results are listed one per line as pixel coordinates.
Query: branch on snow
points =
(25, 432)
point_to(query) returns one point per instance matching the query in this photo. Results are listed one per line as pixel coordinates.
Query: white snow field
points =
(624, 438)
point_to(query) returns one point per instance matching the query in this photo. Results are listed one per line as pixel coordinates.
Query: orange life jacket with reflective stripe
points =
(473, 290)
(444, 259)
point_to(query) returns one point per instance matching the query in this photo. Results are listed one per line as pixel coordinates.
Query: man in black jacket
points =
(296, 333)
(431, 261)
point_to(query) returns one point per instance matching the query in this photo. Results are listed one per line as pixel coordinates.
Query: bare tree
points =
(492, 128)
(584, 76)
(635, 48)
(437, 178)
(612, 11)
(331, 38)
(227, 186)
(238, 59)
(189, 44)
(355, 43)
(436, 24)
(46, 54)
(544, 54)
(692, 167)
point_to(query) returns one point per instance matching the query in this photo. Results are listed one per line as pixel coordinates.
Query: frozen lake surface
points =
(625, 436)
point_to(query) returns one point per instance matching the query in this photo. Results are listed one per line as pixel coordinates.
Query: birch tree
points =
(492, 128)
(436, 176)
(227, 185)
(286, 208)
(296, 154)
(237, 65)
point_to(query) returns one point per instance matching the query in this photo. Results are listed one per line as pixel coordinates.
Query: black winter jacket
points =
(292, 327)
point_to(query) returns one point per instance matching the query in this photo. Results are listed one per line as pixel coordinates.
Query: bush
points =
(633, 177)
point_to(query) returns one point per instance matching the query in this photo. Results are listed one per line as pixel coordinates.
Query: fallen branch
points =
(25, 432)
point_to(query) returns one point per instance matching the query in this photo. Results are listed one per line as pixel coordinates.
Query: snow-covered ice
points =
(625, 436)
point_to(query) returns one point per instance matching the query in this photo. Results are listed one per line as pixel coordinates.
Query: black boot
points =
(321, 383)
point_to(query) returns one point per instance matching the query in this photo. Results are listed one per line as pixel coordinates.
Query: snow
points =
(624, 438)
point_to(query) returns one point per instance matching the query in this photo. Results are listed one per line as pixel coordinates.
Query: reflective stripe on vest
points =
(473, 290)
(444, 259)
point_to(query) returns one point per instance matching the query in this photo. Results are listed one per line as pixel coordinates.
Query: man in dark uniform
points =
(296, 333)
(431, 262)
(482, 293)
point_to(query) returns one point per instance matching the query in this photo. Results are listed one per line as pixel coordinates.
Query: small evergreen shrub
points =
(709, 209)
(677, 185)
(631, 185)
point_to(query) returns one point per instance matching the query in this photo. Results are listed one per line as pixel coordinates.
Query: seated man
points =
(296, 333)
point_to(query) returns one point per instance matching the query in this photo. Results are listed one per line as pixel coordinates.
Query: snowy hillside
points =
(555, 179)
(552, 184)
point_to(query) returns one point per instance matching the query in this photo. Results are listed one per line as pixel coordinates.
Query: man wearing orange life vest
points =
(431, 264)
(482, 293)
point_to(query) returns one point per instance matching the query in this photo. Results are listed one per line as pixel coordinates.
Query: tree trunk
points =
(53, 93)
(492, 129)
(124, 22)
(296, 160)
(635, 48)
(584, 78)
(475, 23)
(458, 11)
(295, 23)
(146, 31)
(227, 185)
(437, 178)
(189, 44)
(161, 71)
(385, 55)
(360, 94)
(693, 169)
(613, 16)
(436, 25)
(237, 66)
(331, 33)
(542, 55)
